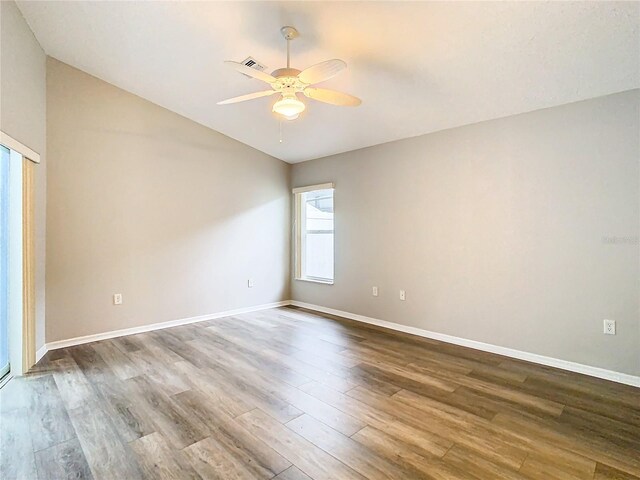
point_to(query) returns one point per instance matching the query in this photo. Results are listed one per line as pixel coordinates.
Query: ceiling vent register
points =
(253, 63)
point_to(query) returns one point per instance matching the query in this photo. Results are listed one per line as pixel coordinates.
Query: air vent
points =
(253, 63)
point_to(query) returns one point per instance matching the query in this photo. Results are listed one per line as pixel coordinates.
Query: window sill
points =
(313, 280)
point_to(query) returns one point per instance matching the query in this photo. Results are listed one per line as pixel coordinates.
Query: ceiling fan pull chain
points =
(280, 125)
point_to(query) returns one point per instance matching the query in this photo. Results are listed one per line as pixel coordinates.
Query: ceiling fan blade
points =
(322, 71)
(249, 96)
(251, 72)
(332, 97)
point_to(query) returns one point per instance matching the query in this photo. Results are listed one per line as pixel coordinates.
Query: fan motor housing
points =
(285, 72)
(287, 80)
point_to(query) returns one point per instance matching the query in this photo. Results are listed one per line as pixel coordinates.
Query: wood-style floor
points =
(291, 394)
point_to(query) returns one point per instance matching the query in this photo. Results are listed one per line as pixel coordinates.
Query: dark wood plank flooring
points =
(291, 394)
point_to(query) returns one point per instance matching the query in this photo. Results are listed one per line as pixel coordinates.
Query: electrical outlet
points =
(403, 295)
(250, 283)
(374, 291)
(117, 299)
(610, 327)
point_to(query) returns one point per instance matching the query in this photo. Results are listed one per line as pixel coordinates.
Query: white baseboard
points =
(41, 352)
(153, 326)
(486, 347)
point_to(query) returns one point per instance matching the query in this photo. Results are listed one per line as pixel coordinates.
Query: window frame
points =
(299, 238)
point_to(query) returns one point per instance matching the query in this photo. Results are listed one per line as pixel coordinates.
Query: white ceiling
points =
(418, 66)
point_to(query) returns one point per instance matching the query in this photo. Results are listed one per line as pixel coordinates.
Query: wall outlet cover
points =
(117, 299)
(403, 295)
(374, 291)
(610, 327)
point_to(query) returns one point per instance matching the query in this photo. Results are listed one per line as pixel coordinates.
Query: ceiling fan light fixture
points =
(289, 106)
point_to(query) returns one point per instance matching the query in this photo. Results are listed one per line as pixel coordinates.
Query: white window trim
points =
(315, 280)
(13, 144)
(298, 238)
(320, 186)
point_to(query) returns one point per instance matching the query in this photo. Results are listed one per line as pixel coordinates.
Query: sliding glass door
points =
(4, 261)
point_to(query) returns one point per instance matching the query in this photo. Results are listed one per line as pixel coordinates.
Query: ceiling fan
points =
(288, 82)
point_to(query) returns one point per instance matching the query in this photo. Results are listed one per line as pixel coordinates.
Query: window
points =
(17, 287)
(314, 233)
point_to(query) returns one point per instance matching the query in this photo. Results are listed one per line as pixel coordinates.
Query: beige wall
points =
(495, 231)
(143, 202)
(23, 117)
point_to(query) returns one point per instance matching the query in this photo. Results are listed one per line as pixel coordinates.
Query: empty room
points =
(336, 240)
